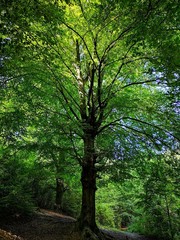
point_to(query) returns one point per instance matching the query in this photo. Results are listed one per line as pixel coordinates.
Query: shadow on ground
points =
(49, 225)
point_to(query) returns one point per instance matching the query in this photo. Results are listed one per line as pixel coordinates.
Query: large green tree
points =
(103, 70)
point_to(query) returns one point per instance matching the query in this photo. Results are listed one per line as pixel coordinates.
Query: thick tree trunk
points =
(88, 180)
(87, 220)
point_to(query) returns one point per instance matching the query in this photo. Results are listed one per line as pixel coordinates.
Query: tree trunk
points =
(88, 180)
(60, 189)
(169, 218)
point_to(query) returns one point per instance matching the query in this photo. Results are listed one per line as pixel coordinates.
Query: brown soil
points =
(49, 225)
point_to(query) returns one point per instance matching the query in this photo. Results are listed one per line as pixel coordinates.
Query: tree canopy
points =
(97, 80)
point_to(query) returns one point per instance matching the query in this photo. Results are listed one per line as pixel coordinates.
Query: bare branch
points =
(151, 125)
(113, 43)
(81, 83)
(138, 83)
(82, 38)
(90, 92)
(75, 150)
(125, 57)
(147, 135)
(64, 62)
(60, 88)
(113, 123)
(143, 132)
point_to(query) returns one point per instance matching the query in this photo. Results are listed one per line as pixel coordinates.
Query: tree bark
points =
(60, 189)
(88, 180)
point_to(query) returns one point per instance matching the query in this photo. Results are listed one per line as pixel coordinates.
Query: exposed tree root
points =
(88, 234)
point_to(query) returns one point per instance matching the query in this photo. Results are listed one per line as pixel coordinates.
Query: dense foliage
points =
(89, 91)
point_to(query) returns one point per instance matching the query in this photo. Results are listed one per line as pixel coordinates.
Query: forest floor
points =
(49, 225)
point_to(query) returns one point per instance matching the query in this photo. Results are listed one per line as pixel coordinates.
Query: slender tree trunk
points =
(169, 218)
(60, 189)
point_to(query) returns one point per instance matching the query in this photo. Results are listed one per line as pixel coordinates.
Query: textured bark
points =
(90, 125)
(88, 180)
(88, 197)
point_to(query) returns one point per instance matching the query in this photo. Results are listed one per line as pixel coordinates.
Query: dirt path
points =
(49, 225)
(45, 225)
(126, 235)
